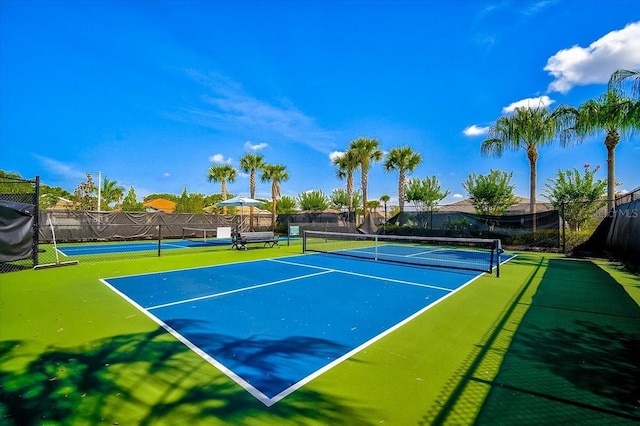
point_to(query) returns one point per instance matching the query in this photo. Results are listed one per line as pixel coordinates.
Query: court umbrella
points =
(240, 201)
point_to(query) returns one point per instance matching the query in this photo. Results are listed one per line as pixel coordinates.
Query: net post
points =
(304, 241)
(498, 248)
(376, 246)
(159, 238)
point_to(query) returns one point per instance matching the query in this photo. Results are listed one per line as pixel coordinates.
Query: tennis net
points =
(476, 254)
(198, 234)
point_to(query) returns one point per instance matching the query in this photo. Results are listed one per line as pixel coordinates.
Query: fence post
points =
(564, 235)
(36, 223)
(159, 238)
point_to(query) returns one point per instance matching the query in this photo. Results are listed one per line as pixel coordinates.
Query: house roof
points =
(244, 210)
(64, 204)
(521, 207)
(160, 204)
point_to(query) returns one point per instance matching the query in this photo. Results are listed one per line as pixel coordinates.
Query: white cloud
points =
(334, 155)
(539, 102)
(579, 66)
(219, 159)
(458, 196)
(257, 147)
(474, 130)
(166, 174)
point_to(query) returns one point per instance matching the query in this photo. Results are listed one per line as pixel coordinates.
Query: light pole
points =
(99, 187)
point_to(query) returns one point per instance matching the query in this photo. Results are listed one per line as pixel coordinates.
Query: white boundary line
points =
(373, 277)
(238, 290)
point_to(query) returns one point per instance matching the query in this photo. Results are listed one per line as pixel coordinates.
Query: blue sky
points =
(153, 93)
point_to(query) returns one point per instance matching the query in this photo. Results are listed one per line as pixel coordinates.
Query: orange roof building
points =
(159, 205)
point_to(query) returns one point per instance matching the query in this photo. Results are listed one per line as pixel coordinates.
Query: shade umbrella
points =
(240, 201)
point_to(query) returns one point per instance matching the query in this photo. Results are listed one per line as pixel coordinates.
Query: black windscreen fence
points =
(16, 231)
(87, 236)
(623, 241)
(523, 231)
(18, 223)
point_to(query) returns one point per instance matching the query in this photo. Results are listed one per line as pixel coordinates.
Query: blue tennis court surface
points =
(134, 246)
(274, 325)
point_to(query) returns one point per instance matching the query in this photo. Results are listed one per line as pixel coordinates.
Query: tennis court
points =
(86, 249)
(274, 325)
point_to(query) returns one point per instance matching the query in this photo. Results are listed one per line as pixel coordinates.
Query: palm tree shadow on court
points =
(575, 353)
(139, 379)
(573, 357)
(261, 358)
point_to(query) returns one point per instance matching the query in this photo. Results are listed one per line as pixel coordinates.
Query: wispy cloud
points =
(255, 147)
(532, 9)
(578, 66)
(226, 106)
(539, 102)
(61, 169)
(474, 130)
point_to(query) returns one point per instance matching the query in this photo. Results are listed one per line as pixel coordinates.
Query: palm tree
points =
(347, 164)
(611, 114)
(403, 159)
(621, 76)
(527, 129)
(275, 173)
(365, 151)
(250, 163)
(222, 173)
(385, 199)
(111, 192)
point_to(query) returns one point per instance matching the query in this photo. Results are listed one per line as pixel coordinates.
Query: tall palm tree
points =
(611, 114)
(347, 164)
(403, 159)
(622, 76)
(365, 151)
(385, 199)
(222, 173)
(275, 173)
(527, 129)
(250, 163)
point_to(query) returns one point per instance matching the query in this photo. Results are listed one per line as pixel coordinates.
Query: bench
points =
(267, 238)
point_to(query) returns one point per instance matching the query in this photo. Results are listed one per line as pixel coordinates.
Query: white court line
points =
(175, 245)
(373, 277)
(238, 290)
(422, 252)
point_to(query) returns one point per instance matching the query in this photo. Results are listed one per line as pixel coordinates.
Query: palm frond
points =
(622, 76)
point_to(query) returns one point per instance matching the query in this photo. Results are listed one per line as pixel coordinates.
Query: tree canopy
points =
(425, 194)
(315, 201)
(577, 196)
(490, 194)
